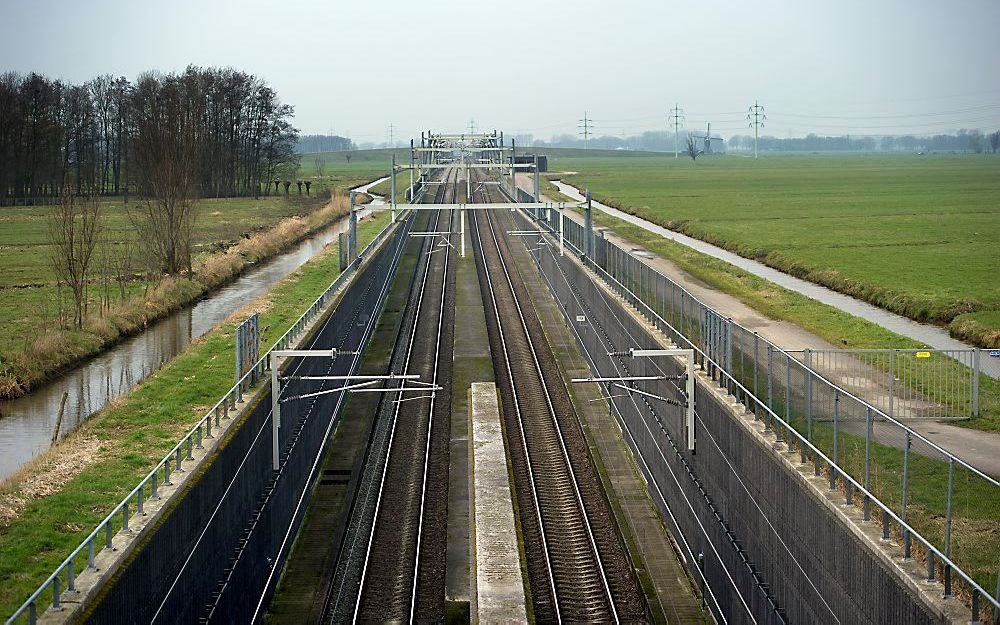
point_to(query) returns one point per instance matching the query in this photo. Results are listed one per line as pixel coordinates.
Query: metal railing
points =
(149, 487)
(904, 383)
(917, 487)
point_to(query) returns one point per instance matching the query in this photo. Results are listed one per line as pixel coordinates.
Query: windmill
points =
(708, 138)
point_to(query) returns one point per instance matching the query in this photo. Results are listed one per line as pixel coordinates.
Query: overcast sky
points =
(831, 67)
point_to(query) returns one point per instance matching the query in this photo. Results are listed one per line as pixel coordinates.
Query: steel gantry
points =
(468, 152)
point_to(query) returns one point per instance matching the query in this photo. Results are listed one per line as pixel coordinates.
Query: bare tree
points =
(163, 153)
(74, 225)
(348, 157)
(123, 264)
(692, 149)
(995, 141)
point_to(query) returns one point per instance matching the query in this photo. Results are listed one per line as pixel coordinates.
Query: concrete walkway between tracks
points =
(978, 448)
(499, 596)
(472, 364)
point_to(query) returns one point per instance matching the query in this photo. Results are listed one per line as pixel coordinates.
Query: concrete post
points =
(562, 251)
(352, 231)
(411, 170)
(513, 182)
(342, 251)
(392, 186)
(537, 194)
(239, 360)
(275, 414)
(588, 230)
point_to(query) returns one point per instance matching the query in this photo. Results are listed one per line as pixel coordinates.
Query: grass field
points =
(918, 235)
(776, 302)
(29, 308)
(43, 515)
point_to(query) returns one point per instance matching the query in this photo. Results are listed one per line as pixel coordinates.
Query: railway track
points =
(392, 565)
(577, 568)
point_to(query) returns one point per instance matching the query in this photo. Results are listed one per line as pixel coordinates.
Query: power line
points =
(677, 115)
(981, 109)
(756, 119)
(585, 127)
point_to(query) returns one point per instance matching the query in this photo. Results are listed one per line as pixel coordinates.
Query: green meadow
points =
(29, 295)
(917, 235)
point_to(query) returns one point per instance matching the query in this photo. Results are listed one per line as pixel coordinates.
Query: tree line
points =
(663, 141)
(233, 131)
(309, 144)
(961, 141)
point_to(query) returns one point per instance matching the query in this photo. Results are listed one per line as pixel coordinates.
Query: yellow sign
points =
(923, 354)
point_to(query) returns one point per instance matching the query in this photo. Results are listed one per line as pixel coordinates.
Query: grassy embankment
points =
(974, 547)
(834, 326)
(49, 506)
(917, 235)
(231, 235)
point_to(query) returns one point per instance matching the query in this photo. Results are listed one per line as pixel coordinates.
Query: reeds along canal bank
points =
(27, 423)
(50, 506)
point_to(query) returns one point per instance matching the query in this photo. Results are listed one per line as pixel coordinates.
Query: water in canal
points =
(931, 335)
(27, 423)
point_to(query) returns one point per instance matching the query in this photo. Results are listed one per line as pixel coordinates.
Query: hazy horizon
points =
(529, 68)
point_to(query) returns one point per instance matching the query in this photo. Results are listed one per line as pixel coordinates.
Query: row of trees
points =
(234, 133)
(309, 144)
(961, 141)
(663, 141)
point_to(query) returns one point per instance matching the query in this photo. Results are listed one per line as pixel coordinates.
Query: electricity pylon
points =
(756, 119)
(676, 116)
(586, 124)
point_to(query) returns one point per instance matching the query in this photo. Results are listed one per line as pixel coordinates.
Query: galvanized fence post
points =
(892, 379)
(975, 399)
(947, 522)
(756, 392)
(807, 357)
(770, 386)
(906, 483)
(729, 353)
(836, 436)
(788, 391)
(868, 461)
(742, 349)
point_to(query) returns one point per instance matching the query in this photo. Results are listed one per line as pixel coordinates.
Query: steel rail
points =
(203, 427)
(524, 441)
(819, 456)
(395, 418)
(552, 414)
(430, 410)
